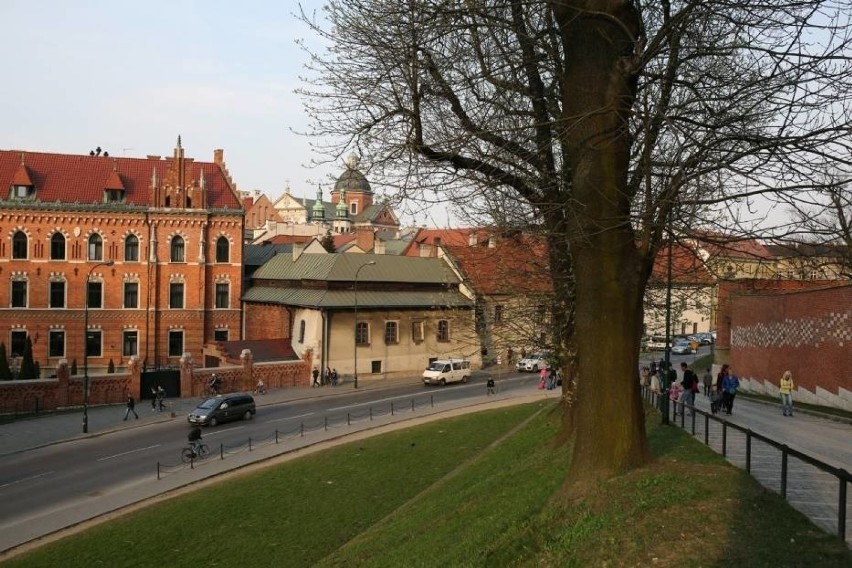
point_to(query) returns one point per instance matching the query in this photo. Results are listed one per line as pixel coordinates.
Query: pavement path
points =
(822, 437)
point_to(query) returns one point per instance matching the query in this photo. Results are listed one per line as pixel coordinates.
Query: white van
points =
(443, 371)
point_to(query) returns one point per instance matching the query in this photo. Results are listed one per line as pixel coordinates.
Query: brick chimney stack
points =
(219, 156)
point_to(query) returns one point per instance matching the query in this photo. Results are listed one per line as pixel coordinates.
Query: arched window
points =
(131, 248)
(57, 246)
(96, 247)
(178, 249)
(223, 249)
(19, 245)
(302, 331)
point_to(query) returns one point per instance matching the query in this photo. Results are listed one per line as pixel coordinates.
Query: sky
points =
(132, 76)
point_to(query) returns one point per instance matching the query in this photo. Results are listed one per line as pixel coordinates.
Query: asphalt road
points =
(41, 482)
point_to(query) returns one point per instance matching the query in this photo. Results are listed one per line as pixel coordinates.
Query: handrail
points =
(843, 476)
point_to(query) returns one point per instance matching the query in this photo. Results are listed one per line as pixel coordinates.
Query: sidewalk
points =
(50, 428)
(822, 437)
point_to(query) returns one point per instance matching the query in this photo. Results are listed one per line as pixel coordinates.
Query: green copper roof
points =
(341, 267)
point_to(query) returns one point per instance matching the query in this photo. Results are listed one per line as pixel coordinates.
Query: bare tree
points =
(606, 123)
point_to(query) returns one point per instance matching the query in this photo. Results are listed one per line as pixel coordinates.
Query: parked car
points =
(443, 371)
(705, 338)
(223, 408)
(654, 343)
(683, 347)
(533, 362)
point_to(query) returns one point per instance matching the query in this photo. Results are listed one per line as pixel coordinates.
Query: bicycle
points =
(193, 452)
(209, 392)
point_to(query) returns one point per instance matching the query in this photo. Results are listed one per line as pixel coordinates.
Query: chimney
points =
(219, 156)
(365, 239)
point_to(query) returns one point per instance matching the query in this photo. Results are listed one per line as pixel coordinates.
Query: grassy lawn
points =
(482, 489)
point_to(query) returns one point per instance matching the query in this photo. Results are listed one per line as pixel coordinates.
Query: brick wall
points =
(802, 327)
(266, 321)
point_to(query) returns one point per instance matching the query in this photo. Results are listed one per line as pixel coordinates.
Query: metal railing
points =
(325, 423)
(678, 409)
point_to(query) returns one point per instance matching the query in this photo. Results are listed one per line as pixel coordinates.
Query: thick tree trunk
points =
(599, 40)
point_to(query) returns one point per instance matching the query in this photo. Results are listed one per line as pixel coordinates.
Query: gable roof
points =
(71, 178)
(341, 267)
(392, 282)
(687, 267)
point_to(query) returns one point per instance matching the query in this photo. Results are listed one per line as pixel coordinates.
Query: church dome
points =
(352, 180)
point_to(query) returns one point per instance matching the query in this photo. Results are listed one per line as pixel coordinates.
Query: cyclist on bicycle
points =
(195, 440)
(214, 383)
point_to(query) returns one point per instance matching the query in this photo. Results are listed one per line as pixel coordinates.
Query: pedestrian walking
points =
(315, 373)
(161, 398)
(131, 407)
(551, 378)
(730, 385)
(645, 377)
(786, 388)
(542, 378)
(153, 399)
(690, 387)
(489, 387)
(707, 379)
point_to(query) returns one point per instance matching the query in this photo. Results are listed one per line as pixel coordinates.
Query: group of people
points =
(158, 397)
(549, 378)
(327, 377)
(721, 389)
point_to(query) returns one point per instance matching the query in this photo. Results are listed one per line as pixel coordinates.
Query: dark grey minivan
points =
(223, 408)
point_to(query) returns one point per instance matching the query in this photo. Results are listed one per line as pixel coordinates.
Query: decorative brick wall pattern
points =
(808, 332)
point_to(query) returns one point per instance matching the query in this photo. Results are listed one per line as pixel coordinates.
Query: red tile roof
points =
(71, 178)
(687, 268)
(513, 265)
(725, 246)
(22, 176)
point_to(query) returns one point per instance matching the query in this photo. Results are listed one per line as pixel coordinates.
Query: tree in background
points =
(608, 127)
(328, 242)
(5, 370)
(28, 368)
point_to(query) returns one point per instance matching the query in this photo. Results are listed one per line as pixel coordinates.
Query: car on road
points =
(223, 408)
(654, 343)
(533, 362)
(683, 347)
(443, 371)
(705, 338)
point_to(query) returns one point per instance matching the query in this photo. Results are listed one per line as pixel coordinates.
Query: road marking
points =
(291, 417)
(25, 479)
(127, 453)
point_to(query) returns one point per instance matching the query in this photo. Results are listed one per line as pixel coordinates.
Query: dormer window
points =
(22, 191)
(113, 196)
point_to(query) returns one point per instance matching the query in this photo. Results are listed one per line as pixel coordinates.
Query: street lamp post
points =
(665, 383)
(86, 345)
(355, 287)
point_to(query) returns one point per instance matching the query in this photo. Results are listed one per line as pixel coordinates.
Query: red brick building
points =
(145, 254)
